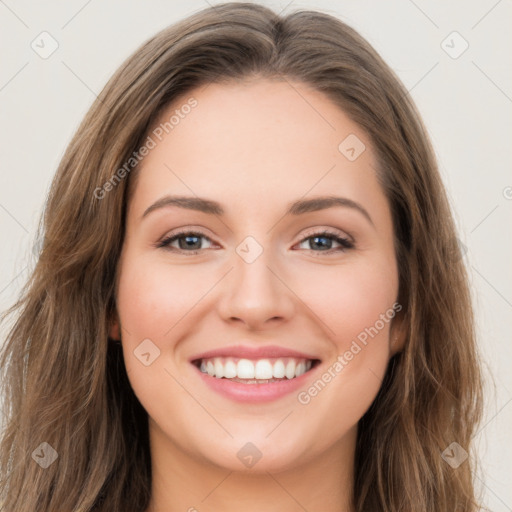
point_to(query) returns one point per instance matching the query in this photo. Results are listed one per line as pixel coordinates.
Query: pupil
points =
(191, 240)
(321, 238)
(188, 244)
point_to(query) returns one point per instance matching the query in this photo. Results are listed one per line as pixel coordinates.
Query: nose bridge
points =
(254, 293)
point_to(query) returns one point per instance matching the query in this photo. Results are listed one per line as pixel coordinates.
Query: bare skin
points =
(255, 148)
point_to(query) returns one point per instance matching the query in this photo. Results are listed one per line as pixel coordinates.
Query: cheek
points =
(152, 298)
(162, 303)
(356, 306)
(349, 299)
(356, 310)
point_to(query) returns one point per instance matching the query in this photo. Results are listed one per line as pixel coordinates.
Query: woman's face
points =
(257, 281)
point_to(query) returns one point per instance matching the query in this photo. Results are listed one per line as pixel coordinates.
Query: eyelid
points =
(317, 230)
(197, 230)
(327, 230)
(164, 242)
(343, 239)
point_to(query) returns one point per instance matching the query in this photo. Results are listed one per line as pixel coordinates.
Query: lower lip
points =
(255, 392)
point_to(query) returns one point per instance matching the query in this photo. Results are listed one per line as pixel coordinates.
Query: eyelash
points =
(345, 243)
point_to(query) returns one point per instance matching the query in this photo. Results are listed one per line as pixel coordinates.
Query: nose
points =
(256, 295)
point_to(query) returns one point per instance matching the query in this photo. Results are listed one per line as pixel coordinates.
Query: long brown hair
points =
(64, 380)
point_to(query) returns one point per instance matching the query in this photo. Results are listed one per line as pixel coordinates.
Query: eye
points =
(189, 242)
(324, 241)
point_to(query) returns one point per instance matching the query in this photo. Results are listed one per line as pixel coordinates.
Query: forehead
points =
(255, 143)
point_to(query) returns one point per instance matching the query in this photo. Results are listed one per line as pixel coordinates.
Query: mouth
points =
(248, 374)
(255, 371)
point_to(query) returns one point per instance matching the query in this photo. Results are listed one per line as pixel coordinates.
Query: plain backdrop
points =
(454, 57)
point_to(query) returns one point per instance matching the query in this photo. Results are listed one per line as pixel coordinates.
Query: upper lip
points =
(248, 352)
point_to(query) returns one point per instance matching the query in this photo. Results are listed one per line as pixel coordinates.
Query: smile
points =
(254, 380)
(255, 371)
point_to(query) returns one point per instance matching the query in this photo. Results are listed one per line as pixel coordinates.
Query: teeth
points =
(300, 369)
(279, 370)
(290, 369)
(219, 368)
(230, 370)
(244, 369)
(262, 369)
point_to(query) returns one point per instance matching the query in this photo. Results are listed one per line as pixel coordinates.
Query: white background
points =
(466, 104)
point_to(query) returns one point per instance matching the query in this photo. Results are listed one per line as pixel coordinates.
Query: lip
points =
(248, 352)
(251, 393)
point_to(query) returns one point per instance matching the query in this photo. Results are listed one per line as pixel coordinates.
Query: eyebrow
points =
(298, 207)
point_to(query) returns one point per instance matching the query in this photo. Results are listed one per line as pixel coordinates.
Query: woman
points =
(249, 294)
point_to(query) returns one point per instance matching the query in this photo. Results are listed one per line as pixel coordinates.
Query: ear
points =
(398, 332)
(115, 329)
